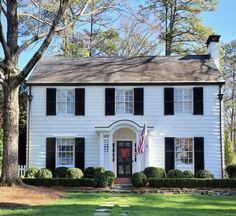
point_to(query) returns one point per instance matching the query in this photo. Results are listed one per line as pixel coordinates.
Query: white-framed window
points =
(183, 152)
(106, 150)
(124, 101)
(65, 101)
(183, 99)
(65, 152)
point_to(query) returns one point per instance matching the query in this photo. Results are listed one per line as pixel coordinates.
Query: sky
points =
(223, 21)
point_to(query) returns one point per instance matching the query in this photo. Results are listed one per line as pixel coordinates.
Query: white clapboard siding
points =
(186, 125)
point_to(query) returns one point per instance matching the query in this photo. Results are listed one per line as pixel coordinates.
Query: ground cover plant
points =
(138, 204)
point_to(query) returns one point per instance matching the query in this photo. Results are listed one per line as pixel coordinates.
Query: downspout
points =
(30, 97)
(220, 97)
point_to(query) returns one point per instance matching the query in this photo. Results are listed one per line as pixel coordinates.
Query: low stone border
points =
(120, 189)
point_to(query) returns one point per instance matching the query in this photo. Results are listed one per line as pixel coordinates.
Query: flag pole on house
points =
(141, 147)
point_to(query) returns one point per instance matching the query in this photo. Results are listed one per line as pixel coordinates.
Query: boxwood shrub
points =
(188, 174)
(139, 179)
(83, 182)
(89, 172)
(74, 173)
(61, 172)
(109, 173)
(99, 170)
(192, 183)
(31, 172)
(231, 170)
(154, 172)
(44, 173)
(205, 174)
(175, 173)
(101, 179)
(110, 181)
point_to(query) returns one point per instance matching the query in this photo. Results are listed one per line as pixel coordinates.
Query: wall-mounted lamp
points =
(30, 97)
(220, 96)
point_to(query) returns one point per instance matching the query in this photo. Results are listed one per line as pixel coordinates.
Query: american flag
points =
(141, 143)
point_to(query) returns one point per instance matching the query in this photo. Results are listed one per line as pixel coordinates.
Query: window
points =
(106, 150)
(124, 101)
(65, 152)
(183, 100)
(65, 101)
(183, 151)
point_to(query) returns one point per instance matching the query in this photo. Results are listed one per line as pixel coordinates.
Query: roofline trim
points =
(130, 83)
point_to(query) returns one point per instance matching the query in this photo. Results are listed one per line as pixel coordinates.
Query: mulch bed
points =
(23, 196)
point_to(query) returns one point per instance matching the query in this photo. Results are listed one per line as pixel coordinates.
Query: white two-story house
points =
(91, 111)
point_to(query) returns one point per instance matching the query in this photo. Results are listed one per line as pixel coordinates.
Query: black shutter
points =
(198, 153)
(79, 101)
(169, 101)
(50, 153)
(80, 153)
(110, 101)
(198, 101)
(169, 153)
(138, 101)
(51, 101)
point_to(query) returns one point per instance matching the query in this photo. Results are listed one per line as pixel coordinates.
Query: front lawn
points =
(138, 204)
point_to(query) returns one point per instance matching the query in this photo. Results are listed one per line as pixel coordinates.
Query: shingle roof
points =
(151, 69)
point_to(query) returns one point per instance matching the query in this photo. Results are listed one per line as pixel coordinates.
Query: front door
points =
(124, 159)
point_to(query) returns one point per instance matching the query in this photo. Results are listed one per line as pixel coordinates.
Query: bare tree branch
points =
(29, 66)
(2, 38)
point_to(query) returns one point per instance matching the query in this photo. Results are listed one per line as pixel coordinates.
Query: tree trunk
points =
(10, 136)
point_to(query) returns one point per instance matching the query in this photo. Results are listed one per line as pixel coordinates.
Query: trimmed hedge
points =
(175, 173)
(89, 172)
(83, 182)
(188, 174)
(154, 172)
(205, 174)
(44, 173)
(100, 179)
(31, 172)
(110, 181)
(139, 179)
(192, 183)
(231, 170)
(74, 173)
(61, 172)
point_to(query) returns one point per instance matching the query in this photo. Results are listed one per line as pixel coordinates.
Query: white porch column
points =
(101, 151)
(110, 153)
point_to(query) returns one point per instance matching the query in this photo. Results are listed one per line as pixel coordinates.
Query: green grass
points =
(139, 204)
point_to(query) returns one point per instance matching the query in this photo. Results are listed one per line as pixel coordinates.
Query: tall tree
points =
(229, 70)
(137, 38)
(26, 23)
(181, 25)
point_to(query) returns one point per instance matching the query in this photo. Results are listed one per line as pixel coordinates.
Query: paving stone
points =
(123, 214)
(124, 206)
(103, 210)
(101, 214)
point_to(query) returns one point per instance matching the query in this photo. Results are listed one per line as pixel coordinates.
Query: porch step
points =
(123, 181)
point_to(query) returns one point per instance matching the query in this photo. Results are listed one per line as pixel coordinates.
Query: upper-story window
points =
(183, 100)
(124, 101)
(183, 151)
(65, 101)
(65, 152)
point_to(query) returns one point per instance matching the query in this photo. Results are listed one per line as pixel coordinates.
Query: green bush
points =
(100, 179)
(109, 173)
(188, 174)
(89, 172)
(74, 173)
(154, 172)
(139, 179)
(99, 170)
(110, 180)
(231, 170)
(65, 182)
(31, 172)
(175, 173)
(44, 173)
(192, 183)
(205, 174)
(61, 172)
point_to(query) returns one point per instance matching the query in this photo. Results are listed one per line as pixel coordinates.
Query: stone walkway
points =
(105, 209)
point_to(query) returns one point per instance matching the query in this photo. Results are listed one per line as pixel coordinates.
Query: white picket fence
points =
(21, 170)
